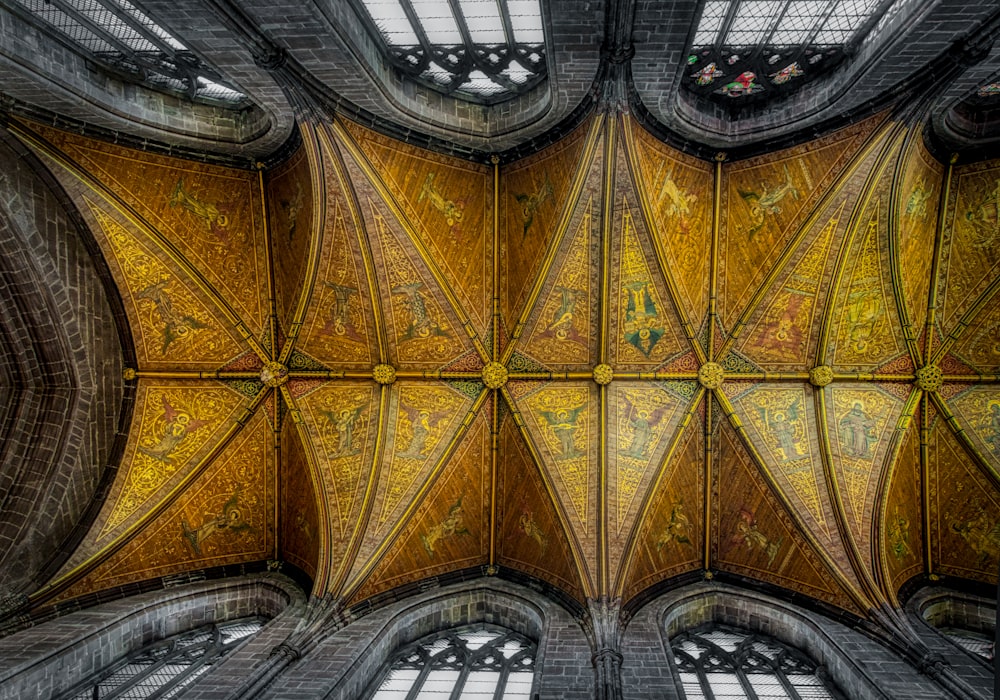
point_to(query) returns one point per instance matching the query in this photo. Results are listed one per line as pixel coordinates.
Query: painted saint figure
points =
(339, 321)
(179, 425)
(451, 525)
(231, 519)
(562, 320)
(642, 327)
(343, 422)
(530, 528)
(783, 428)
(292, 207)
(176, 324)
(421, 421)
(857, 432)
(642, 420)
(562, 423)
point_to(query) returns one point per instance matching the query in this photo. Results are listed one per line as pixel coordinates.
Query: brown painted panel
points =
(339, 324)
(679, 192)
(530, 537)
(977, 410)
(225, 517)
(534, 193)
(965, 526)
(213, 216)
(900, 537)
(671, 537)
(299, 489)
(757, 537)
(971, 240)
(766, 200)
(450, 528)
(645, 331)
(291, 217)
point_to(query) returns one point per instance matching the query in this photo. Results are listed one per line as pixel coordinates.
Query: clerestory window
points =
(978, 643)
(482, 662)
(479, 50)
(724, 663)
(118, 36)
(747, 50)
(164, 669)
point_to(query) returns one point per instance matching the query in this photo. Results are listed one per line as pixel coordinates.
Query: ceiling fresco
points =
(604, 366)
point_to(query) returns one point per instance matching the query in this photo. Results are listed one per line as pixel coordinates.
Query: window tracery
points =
(745, 50)
(715, 661)
(479, 50)
(165, 668)
(481, 662)
(121, 38)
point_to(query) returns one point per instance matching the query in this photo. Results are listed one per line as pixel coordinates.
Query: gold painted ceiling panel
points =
(756, 537)
(226, 516)
(448, 204)
(535, 194)
(677, 189)
(530, 534)
(300, 536)
(671, 537)
(902, 546)
(964, 530)
(451, 528)
(977, 410)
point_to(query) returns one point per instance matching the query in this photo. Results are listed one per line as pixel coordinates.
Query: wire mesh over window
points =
(472, 663)
(723, 663)
(166, 668)
(480, 50)
(749, 50)
(118, 36)
(978, 643)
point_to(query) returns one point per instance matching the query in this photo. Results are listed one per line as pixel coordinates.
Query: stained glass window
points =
(483, 662)
(989, 90)
(726, 663)
(745, 50)
(165, 668)
(479, 50)
(121, 38)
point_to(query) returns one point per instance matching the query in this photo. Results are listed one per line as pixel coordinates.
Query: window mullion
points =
(508, 28)
(139, 27)
(418, 28)
(769, 32)
(424, 671)
(94, 27)
(727, 24)
(818, 26)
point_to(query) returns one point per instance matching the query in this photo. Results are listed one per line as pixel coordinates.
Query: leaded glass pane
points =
(465, 663)
(727, 663)
(974, 642)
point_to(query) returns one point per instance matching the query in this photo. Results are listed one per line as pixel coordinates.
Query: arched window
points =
(480, 662)
(745, 50)
(714, 661)
(163, 669)
(478, 50)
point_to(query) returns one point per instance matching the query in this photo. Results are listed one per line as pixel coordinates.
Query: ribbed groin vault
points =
(605, 365)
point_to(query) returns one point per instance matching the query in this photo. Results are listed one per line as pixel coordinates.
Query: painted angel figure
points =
(642, 420)
(176, 324)
(562, 320)
(857, 432)
(179, 425)
(782, 427)
(421, 323)
(676, 530)
(215, 217)
(421, 422)
(679, 202)
(562, 423)
(765, 203)
(451, 525)
(994, 425)
(452, 211)
(231, 518)
(343, 422)
(530, 203)
(530, 528)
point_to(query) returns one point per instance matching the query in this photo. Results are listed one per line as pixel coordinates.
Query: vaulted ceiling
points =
(603, 362)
